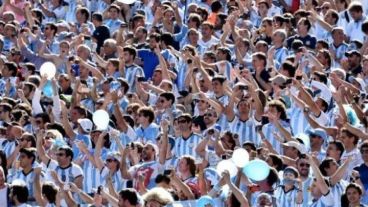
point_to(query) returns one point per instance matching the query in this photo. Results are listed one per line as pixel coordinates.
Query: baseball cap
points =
(317, 132)
(86, 125)
(359, 81)
(300, 147)
(352, 52)
(279, 80)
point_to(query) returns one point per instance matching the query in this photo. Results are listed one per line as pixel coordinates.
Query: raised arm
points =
(321, 184)
(339, 174)
(65, 121)
(123, 165)
(40, 150)
(165, 141)
(97, 154)
(235, 190)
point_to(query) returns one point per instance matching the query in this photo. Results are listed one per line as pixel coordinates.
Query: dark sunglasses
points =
(60, 154)
(304, 165)
(110, 160)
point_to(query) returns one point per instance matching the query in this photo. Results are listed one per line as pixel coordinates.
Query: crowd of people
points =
(185, 83)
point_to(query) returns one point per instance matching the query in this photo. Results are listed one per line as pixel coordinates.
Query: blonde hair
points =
(160, 195)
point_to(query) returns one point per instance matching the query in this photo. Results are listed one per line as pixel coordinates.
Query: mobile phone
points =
(189, 61)
(132, 145)
(211, 131)
(75, 69)
(140, 79)
(87, 37)
(224, 157)
(306, 109)
(129, 95)
(195, 70)
(71, 58)
(259, 128)
(299, 77)
(241, 66)
(167, 172)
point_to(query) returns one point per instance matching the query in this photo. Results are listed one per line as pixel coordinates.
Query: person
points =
(352, 196)
(19, 194)
(4, 187)
(290, 193)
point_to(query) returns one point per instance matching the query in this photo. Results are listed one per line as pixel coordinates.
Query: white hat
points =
(325, 93)
(86, 124)
(300, 147)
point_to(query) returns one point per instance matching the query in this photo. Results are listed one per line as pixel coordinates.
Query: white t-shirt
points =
(4, 195)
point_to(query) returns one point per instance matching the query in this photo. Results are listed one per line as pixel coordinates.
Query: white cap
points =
(300, 147)
(86, 124)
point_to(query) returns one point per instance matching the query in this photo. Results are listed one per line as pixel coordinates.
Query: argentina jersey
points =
(92, 178)
(187, 146)
(307, 197)
(324, 201)
(298, 122)
(27, 178)
(286, 199)
(268, 131)
(245, 129)
(222, 121)
(118, 181)
(281, 54)
(7, 146)
(338, 190)
(339, 53)
(131, 72)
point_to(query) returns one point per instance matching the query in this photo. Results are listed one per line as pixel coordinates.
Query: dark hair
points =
(250, 144)
(84, 11)
(261, 56)
(155, 36)
(131, 50)
(124, 84)
(44, 116)
(30, 86)
(349, 134)
(68, 151)
(11, 67)
(147, 112)
(161, 178)
(325, 164)
(306, 22)
(219, 78)
(225, 51)
(6, 107)
(168, 96)
(167, 38)
(53, 27)
(29, 152)
(21, 192)
(50, 192)
(277, 161)
(365, 27)
(344, 197)
(97, 16)
(355, 7)
(340, 146)
(130, 195)
(216, 6)
(289, 67)
(195, 18)
(280, 107)
(81, 110)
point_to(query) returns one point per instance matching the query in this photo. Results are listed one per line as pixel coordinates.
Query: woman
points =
(352, 196)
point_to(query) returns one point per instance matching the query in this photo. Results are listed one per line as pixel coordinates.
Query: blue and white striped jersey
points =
(131, 72)
(307, 197)
(118, 181)
(148, 134)
(187, 146)
(298, 122)
(286, 199)
(27, 178)
(7, 146)
(245, 129)
(268, 130)
(222, 121)
(324, 201)
(92, 178)
(68, 174)
(338, 190)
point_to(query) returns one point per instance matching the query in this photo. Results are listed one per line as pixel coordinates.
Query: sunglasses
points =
(47, 28)
(364, 151)
(49, 137)
(208, 114)
(60, 154)
(23, 139)
(129, 112)
(110, 160)
(304, 165)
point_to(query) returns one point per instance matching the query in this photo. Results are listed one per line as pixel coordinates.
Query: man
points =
(63, 166)
(148, 56)
(27, 157)
(128, 198)
(148, 130)
(303, 28)
(5, 109)
(101, 33)
(317, 138)
(363, 168)
(353, 65)
(303, 167)
(113, 22)
(207, 39)
(354, 28)
(19, 194)
(350, 142)
(186, 143)
(244, 123)
(338, 47)
(131, 70)
(8, 80)
(147, 170)
(218, 87)
(8, 144)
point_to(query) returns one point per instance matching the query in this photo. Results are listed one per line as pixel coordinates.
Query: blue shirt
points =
(150, 62)
(148, 134)
(84, 138)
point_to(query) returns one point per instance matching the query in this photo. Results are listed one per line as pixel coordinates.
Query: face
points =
(346, 140)
(289, 175)
(156, 78)
(210, 117)
(244, 107)
(356, 15)
(64, 49)
(333, 166)
(61, 157)
(111, 163)
(206, 31)
(262, 8)
(148, 152)
(303, 167)
(257, 63)
(302, 28)
(332, 151)
(353, 195)
(183, 165)
(193, 37)
(183, 124)
(217, 86)
(24, 161)
(114, 13)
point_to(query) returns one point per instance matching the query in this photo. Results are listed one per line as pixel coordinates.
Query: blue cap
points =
(317, 132)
